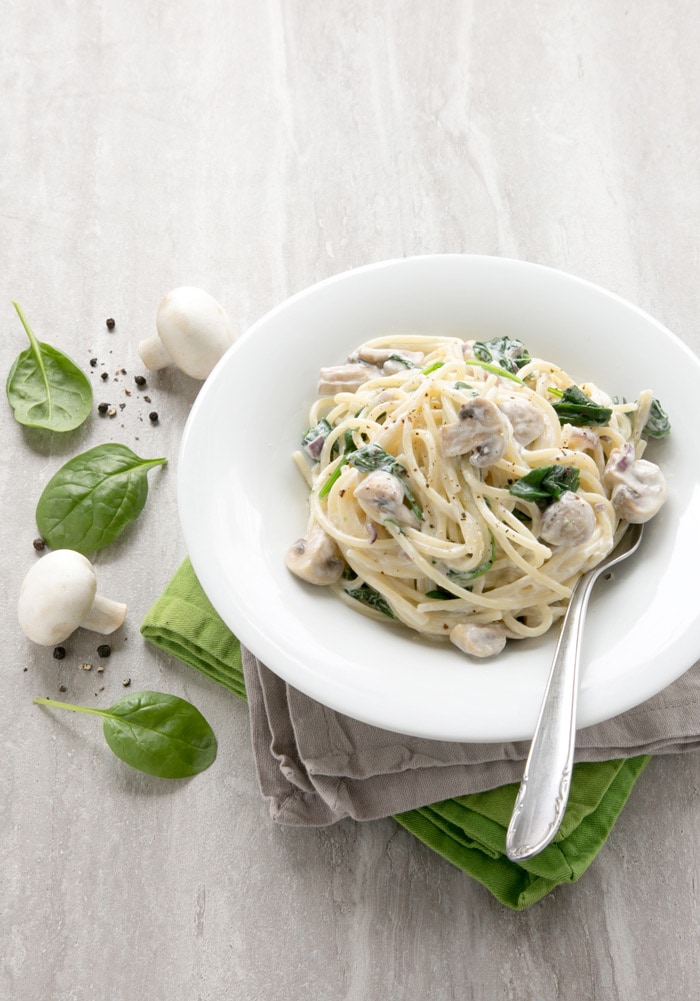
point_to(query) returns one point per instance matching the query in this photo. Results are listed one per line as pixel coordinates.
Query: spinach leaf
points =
(546, 483)
(45, 388)
(464, 577)
(507, 353)
(580, 410)
(369, 596)
(314, 439)
(159, 734)
(406, 362)
(93, 497)
(658, 424)
(372, 456)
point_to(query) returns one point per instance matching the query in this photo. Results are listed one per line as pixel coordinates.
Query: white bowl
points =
(242, 501)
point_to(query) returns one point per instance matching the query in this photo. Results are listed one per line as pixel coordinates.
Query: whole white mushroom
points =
(194, 331)
(59, 594)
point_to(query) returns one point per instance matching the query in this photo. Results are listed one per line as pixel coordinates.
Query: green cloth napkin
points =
(468, 830)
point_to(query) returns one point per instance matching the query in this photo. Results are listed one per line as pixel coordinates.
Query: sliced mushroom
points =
(527, 419)
(569, 521)
(381, 496)
(481, 430)
(316, 559)
(578, 438)
(345, 378)
(478, 641)
(638, 486)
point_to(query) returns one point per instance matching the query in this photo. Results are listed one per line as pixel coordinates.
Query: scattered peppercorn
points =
(93, 363)
(103, 407)
(59, 652)
(140, 380)
(104, 650)
(104, 376)
(62, 688)
(153, 417)
(110, 323)
(39, 545)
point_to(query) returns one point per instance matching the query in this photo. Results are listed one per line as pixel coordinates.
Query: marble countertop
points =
(253, 149)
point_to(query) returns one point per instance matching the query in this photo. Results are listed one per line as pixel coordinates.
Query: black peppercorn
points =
(110, 323)
(59, 652)
(39, 545)
(153, 417)
(104, 376)
(93, 363)
(103, 407)
(104, 650)
(140, 380)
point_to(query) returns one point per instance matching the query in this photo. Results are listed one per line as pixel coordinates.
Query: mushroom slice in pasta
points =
(568, 521)
(316, 559)
(381, 496)
(478, 640)
(526, 419)
(481, 430)
(344, 378)
(638, 486)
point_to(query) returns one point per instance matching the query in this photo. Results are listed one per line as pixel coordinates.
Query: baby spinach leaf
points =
(93, 497)
(158, 734)
(464, 577)
(314, 438)
(658, 424)
(507, 353)
(45, 388)
(546, 483)
(368, 595)
(576, 408)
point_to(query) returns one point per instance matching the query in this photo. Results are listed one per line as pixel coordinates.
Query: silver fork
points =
(544, 789)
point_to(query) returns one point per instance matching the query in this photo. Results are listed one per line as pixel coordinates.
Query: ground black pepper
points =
(110, 323)
(59, 652)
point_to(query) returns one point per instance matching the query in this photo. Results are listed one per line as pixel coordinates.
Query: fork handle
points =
(544, 789)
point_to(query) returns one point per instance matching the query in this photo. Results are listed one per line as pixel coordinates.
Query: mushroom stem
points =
(154, 354)
(105, 615)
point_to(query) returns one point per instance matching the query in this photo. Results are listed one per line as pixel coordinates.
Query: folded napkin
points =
(316, 766)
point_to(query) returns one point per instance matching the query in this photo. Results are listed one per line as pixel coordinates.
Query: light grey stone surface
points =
(253, 148)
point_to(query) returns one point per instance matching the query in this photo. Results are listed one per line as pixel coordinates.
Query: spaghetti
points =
(462, 488)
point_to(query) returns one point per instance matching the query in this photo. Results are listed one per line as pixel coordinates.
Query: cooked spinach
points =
(406, 362)
(314, 438)
(464, 577)
(507, 353)
(45, 388)
(546, 484)
(658, 424)
(159, 734)
(369, 596)
(575, 408)
(93, 497)
(372, 456)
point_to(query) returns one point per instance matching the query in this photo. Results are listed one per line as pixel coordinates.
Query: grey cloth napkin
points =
(316, 766)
